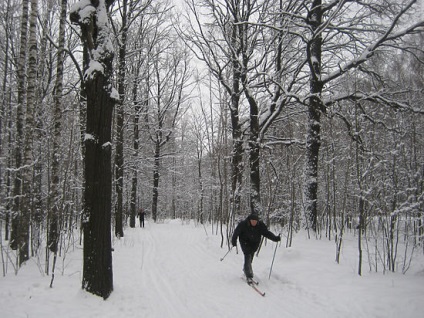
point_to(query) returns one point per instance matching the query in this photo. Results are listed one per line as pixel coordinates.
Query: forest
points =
(308, 113)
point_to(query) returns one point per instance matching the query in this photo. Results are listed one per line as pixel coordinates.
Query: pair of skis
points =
(254, 284)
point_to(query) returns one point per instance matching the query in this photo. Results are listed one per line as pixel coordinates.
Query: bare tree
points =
(336, 45)
(169, 78)
(224, 62)
(254, 63)
(130, 11)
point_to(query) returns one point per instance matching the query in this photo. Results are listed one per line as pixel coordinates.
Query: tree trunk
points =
(254, 157)
(313, 139)
(119, 153)
(97, 269)
(53, 237)
(15, 230)
(156, 166)
(26, 207)
(237, 165)
(136, 142)
(201, 185)
(6, 100)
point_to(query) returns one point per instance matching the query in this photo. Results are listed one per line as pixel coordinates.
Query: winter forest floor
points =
(172, 269)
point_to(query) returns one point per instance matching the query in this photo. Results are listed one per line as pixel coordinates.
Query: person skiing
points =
(141, 215)
(249, 232)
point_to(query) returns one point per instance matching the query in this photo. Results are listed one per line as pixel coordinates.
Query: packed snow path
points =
(177, 272)
(174, 270)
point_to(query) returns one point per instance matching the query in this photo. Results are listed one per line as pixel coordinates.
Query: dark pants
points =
(247, 268)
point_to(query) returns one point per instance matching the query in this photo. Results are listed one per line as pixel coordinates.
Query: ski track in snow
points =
(174, 270)
(181, 270)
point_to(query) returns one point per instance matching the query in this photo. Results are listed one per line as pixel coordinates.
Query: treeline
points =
(308, 113)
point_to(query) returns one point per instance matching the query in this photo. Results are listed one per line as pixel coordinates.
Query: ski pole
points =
(226, 253)
(275, 251)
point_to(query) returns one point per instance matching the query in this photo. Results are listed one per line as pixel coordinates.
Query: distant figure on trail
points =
(141, 216)
(249, 232)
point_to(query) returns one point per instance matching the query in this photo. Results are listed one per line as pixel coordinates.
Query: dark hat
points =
(253, 217)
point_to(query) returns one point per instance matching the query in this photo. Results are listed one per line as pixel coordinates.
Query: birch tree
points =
(56, 208)
(6, 116)
(19, 137)
(22, 218)
(27, 207)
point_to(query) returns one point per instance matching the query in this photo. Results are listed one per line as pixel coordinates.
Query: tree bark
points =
(237, 165)
(97, 269)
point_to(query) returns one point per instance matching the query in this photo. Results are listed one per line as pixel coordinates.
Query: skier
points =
(141, 217)
(249, 232)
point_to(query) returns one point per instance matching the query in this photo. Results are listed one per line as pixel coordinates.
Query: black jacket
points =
(250, 236)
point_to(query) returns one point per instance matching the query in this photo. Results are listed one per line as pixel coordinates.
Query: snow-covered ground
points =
(174, 270)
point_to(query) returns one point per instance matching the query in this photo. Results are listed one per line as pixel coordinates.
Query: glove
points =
(279, 238)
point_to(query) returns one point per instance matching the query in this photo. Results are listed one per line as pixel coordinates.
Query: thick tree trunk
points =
(254, 155)
(254, 158)
(97, 270)
(237, 168)
(237, 165)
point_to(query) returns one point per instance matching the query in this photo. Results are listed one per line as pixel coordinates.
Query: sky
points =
(174, 269)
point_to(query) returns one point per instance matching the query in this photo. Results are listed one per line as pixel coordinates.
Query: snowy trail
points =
(174, 270)
(177, 271)
(180, 275)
